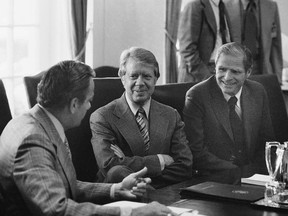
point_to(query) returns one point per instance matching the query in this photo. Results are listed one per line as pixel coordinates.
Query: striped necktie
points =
(143, 127)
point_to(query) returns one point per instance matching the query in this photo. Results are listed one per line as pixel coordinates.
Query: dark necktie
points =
(238, 131)
(143, 127)
(250, 28)
(222, 21)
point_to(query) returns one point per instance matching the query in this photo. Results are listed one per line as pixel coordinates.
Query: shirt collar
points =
(134, 107)
(56, 123)
(215, 2)
(238, 96)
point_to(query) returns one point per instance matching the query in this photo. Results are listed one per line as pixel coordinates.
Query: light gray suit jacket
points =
(197, 37)
(38, 176)
(116, 124)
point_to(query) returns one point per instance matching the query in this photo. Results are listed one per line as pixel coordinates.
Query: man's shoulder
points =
(109, 106)
(254, 86)
(161, 106)
(202, 87)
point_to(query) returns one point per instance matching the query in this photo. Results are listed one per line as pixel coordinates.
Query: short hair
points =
(63, 82)
(140, 55)
(236, 49)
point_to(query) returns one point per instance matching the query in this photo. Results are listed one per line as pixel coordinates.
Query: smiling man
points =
(227, 118)
(135, 131)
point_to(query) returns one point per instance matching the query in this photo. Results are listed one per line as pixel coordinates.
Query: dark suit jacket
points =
(197, 37)
(116, 124)
(270, 40)
(38, 176)
(206, 117)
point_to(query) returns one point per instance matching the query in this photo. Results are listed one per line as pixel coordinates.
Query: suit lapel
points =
(158, 127)
(220, 107)
(208, 11)
(233, 19)
(61, 150)
(128, 127)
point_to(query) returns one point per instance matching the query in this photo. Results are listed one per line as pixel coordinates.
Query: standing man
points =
(204, 26)
(135, 131)
(227, 118)
(261, 33)
(37, 174)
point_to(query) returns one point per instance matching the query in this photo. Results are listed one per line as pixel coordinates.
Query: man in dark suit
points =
(201, 32)
(266, 46)
(37, 174)
(123, 145)
(224, 136)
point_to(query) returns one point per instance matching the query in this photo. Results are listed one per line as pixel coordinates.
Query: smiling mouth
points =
(228, 84)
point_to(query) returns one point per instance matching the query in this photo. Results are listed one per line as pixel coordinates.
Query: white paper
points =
(177, 210)
(256, 179)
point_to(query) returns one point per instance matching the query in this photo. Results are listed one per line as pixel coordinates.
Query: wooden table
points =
(170, 196)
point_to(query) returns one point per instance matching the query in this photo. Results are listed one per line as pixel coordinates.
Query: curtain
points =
(79, 34)
(173, 8)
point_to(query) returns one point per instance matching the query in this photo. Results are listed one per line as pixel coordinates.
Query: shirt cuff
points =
(161, 160)
(125, 211)
(112, 192)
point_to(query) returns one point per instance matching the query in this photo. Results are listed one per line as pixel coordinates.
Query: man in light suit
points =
(118, 144)
(37, 174)
(268, 57)
(214, 142)
(200, 36)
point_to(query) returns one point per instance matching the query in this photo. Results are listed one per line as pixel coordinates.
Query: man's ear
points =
(73, 105)
(249, 71)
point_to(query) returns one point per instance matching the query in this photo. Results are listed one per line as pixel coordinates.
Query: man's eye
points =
(133, 76)
(147, 76)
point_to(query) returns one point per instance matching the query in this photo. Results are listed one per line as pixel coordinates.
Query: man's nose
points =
(140, 80)
(228, 75)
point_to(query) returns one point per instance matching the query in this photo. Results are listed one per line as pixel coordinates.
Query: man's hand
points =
(117, 151)
(152, 209)
(167, 159)
(132, 186)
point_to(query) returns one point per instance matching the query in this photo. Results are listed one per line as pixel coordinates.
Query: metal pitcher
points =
(276, 156)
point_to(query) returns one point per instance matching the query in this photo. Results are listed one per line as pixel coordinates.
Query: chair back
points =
(31, 83)
(5, 113)
(172, 94)
(276, 104)
(106, 90)
(106, 71)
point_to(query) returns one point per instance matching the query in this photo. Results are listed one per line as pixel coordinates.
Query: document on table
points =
(177, 210)
(256, 179)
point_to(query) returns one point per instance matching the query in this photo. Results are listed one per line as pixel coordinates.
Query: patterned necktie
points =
(238, 131)
(250, 28)
(222, 21)
(143, 127)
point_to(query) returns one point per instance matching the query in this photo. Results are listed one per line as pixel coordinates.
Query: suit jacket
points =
(270, 39)
(115, 124)
(206, 117)
(37, 174)
(197, 37)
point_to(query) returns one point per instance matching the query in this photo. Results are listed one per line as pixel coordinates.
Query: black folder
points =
(224, 191)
